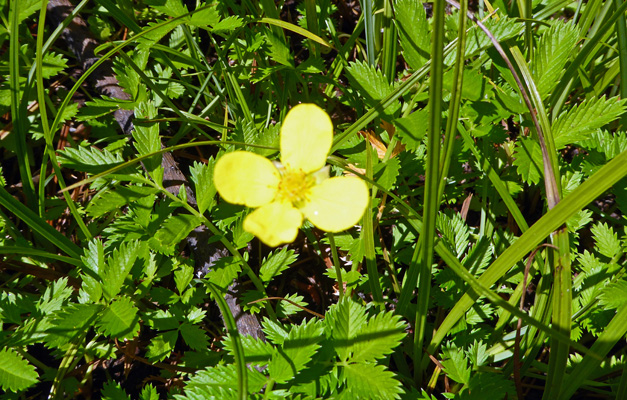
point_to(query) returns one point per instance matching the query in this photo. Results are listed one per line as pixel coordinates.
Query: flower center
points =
(294, 187)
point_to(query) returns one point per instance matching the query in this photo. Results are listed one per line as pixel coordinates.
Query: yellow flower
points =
(298, 187)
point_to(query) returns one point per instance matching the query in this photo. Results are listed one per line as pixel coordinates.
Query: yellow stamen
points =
(294, 187)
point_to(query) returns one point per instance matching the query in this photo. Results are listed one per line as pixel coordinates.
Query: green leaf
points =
(89, 159)
(173, 231)
(528, 160)
(579, 122)
(53, 64)
(113, 391)
(195, 337)
(224, 271)
(228, 24)
(26, 8)
(120, 319)
(478, 354)
(183, 276)
(161, 346)
(369, 82)
(256, 351)
(488, 386)
(502, 28)
(385, 173)
(606, 240)
(456, 365)
(276, 263)
(147, 140)
(54, 297)
(344, 320)
(118, 268)
(149, 392)
(284, 309)
(171, 8)
(69, 323)
(412, 128)
(614, 295)
(16, 374)
(204, 18)
(413, 30)
(279, 51)
(220, 382)
(274, 331)
(551, 55)
(116, 198)
(296, 351)
(370, 381)
(378, 337)
(202, 176)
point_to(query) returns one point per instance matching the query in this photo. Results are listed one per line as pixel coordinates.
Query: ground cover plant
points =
(308, 199)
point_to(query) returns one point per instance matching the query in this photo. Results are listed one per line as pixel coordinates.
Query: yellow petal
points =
(275, 223)
(306, 138)
(246, 178)
(337, 203)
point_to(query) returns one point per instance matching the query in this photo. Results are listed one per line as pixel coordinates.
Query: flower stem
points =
(336, 263)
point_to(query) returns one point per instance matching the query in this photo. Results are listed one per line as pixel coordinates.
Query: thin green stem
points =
(336, 263)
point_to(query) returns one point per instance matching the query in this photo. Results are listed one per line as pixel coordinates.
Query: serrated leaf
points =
(284, 308)
(370, 381)
(161, 346)
(478, 353)
(171, 8)
(385, 173)
(606, 240)
(412, 128)
(113, 391)
(413, 31)
(276, 263)
(204, 18)
(118, 268)
(147, 140)
(120, 319)
(173, 231)
(296, 351)
(54, 296)
(53, 64)
(279, 50)
(344, 320)
(274, 331)
(89, 159)
(116, 198)
(614, 295)
(182, 277)
(227, 24)
(456, 365)
(256, 351)
(16, 374)
(156, 34)
(370, 83)
(488, 386)
(220, 382)
(551, 55)
(528, 160)
(378, 337)
(579, 122)
(224, 271)
(68, 323)
(202, 176)
(149, 392)
(502, 29)
(26, 8)
(195, 337)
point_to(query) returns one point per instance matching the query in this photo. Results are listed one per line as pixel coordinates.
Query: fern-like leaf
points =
(16, 374)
